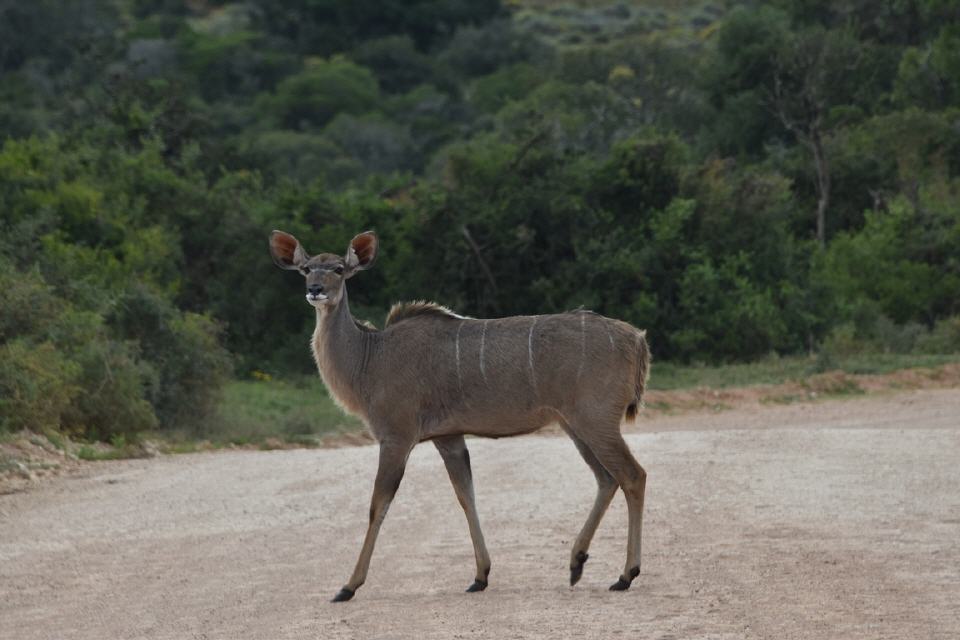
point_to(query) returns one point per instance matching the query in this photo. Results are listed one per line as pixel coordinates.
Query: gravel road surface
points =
(836, 519)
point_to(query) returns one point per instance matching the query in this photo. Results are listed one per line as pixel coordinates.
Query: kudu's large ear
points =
(362, 252)
(286, 251)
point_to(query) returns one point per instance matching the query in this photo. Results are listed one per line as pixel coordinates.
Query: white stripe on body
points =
(457, 351)
(583, 346)
(483, 336)
(533, 376)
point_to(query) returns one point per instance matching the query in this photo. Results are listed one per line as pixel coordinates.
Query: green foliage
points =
(374, 145)
(477, 50)
(662, 164)
(927, 74)
(111, 375)
(943, 338)
(61, 368)
(69, 360)
(729, 314)
(230, 63)
(312, 98)
(326, 27)
(188, 365)
(739, 76)
(37, 386)
(491, 92)
(396, 62)
(888, 266)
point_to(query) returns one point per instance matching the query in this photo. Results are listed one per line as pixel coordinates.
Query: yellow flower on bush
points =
(620, 72)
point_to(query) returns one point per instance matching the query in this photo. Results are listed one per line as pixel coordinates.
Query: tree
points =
(814, 77)
(311, 98)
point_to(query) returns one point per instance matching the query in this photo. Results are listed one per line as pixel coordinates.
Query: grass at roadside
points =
(666, 376)
(297, 411)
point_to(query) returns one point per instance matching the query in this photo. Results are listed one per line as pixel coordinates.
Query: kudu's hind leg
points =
(393, 461)
(456, 458)
(604, 440)
(606, 489)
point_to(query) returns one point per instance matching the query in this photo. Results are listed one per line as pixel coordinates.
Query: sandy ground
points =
(837, 519)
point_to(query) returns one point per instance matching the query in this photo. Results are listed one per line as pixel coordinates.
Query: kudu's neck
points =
(337, 318)
(342, 351)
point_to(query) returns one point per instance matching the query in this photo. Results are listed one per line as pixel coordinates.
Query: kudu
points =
(433, 375)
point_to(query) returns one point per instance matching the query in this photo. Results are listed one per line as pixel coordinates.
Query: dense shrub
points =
(112, 379)
(893, 263)
(37, 386)
(188, 364)
(323, 89)
(68, 360)
(62, 368)
(943, 338)
(396, 62)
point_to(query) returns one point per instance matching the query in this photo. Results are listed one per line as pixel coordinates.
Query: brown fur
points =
(643, 373)
(433, 375)
(404, 310)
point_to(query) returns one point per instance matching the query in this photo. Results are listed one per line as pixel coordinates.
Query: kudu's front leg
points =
(393, 461)
(456, 458)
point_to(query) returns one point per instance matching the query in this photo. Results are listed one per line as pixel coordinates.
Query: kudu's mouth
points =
(316, 298)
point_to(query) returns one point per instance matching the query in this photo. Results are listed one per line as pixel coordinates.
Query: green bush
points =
(726, 314)
(61, 365)
(373, 143)
(890, 337)
(110, 373)
(145, 365)
(943, 338)
(231, 63)
(842, 342)
(396, 61)
(478, 50)
(293, 155)
(38, 385)
(312, 98)
(187, 362)
(82, 243)
(112, 402)
(28, 306)
(888, 264)
(491, 92)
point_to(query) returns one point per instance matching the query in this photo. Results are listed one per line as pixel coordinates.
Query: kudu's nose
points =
(315, 289)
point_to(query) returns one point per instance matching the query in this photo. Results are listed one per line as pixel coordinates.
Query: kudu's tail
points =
(643, 371)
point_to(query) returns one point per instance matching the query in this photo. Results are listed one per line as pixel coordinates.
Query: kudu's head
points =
(325, 273)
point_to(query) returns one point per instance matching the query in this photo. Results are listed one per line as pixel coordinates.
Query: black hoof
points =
(343, 595)
(478, 585)
(620, 585)
(623, 584)
(576, 571)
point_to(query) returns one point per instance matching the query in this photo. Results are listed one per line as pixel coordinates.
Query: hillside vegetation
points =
(740, 178)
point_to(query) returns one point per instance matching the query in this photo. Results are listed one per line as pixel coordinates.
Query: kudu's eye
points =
(338, 270)
(305, 270)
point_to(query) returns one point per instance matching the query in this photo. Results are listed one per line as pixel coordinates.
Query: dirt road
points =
(830, 520)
